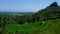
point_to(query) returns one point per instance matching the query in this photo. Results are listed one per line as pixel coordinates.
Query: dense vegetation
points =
(50, 16)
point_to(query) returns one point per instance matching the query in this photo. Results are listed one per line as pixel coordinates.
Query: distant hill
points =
(16, 12)
(50, 12)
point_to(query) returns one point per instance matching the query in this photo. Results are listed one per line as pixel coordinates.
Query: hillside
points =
(48, 27)
(50, 12)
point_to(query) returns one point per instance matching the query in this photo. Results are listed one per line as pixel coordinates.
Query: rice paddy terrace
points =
(47, 27)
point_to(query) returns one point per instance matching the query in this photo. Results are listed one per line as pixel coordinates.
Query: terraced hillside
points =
(45, 21)
(47, 27)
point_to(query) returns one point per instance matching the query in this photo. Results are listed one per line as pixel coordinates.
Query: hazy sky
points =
(25, 5)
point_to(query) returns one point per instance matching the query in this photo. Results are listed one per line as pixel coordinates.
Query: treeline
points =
(17, 19)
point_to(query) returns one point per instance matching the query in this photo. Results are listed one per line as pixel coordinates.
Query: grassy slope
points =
(48, 27)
